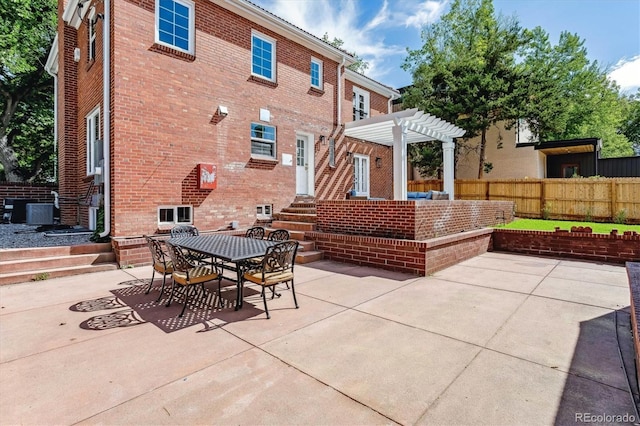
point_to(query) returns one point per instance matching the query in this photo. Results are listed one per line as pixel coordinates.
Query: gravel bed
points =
(17, 235)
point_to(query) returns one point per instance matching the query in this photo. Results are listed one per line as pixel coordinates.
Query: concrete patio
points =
(497, 339)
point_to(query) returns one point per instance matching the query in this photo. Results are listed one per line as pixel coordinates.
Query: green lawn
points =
(550, 225)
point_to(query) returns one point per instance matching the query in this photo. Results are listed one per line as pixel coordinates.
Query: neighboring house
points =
(209, 111)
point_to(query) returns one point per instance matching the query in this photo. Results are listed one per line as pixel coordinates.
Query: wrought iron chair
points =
(161, 263)
(278, 235)
(189, 275)
(276, 267)
(256, 232)
(188, 231)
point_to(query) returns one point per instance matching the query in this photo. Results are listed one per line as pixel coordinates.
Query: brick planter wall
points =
(613, 248)
(633, 272)
(410, 256)
(411, 220)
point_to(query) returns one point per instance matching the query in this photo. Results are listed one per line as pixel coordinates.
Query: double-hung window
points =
(263, 56)
(93, 137)
(175, 24)
(360, 104)
(316, 73)
(263, 140)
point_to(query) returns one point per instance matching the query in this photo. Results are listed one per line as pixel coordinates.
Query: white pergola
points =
(401, 128)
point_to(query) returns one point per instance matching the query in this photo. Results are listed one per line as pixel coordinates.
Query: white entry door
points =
(302, 165)
(361, 174)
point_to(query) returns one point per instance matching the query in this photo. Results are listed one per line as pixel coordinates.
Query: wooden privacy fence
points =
(590, 199)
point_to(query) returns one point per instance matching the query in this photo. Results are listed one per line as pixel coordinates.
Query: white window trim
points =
(264, 214)
(274, 141)
(175, 215)
(271, 40)
(320, 73)
(92, 34)
(192, 26)
(91, 139)
(358, 91)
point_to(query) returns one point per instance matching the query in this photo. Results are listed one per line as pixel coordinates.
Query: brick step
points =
(41, 252)
(294, 226)
(300, 210)
(293, 234)
(21, 277)
(308, 256)
(294, 217)
(51, 262)
(306, 246)
(303, 205)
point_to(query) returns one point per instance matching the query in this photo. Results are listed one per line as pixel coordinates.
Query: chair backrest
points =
(256, 232)
(157, 253)
(180, 261)
(278, 235)
(280, 257)
(184, 231)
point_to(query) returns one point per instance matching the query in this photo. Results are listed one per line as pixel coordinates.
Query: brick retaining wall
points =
(612, 248)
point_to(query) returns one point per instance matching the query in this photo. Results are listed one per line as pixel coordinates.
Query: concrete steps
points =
(307, 252)
(34, 264)
(298, 218)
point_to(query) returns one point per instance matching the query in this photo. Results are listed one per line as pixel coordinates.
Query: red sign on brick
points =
(208, 176)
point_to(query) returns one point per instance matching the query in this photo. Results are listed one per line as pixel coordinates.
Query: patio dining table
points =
(233, 250)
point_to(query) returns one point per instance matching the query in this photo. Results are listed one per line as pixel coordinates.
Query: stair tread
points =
(66, 268)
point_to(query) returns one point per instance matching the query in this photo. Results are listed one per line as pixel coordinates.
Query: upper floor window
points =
(92, 34)
(316, 73)
(175, 24)
(263, 56)
(360, 104)
(94, 151)
(263, 140)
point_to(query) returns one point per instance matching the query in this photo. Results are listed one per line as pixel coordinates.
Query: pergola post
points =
(448, 168)
(399, 162)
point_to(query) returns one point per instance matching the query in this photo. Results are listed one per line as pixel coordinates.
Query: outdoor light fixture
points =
(321, 139)
(378, 162)
(223, 110)
(349, 155)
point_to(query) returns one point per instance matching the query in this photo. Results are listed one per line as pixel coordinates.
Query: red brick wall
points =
(612, 248)
(164, 127)
(414, 257)
(411, 220)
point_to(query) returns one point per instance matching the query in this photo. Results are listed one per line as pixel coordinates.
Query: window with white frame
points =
(263, 56)
(175, 24)
(92, 34)
(93, 136)
(263, 211)
(316, 73)
(360, 104)
(174, 215)
(263, 140)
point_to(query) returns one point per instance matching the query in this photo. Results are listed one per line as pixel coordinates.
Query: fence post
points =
(542, 197)
(614, 199)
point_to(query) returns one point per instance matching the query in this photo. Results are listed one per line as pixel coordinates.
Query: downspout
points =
(340, 92)
(106, 100)
(55, 125)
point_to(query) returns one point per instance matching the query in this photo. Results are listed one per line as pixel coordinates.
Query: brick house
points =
(209, 111)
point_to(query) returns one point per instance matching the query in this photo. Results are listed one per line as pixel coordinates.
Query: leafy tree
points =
(26, 121)
(465, 72)
(630, 126)
(359, 66)
(569, 97)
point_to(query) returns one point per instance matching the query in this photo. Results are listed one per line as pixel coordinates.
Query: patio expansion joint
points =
(261, 349)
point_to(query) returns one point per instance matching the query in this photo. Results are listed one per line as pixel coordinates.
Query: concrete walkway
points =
(497, 339)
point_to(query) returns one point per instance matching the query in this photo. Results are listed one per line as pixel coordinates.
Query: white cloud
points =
(427, 12)
(344, 20)
(627, 74)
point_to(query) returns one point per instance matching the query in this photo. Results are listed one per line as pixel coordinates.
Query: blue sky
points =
(381, 30)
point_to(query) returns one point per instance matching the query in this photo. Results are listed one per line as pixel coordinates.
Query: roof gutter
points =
(106, 101)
